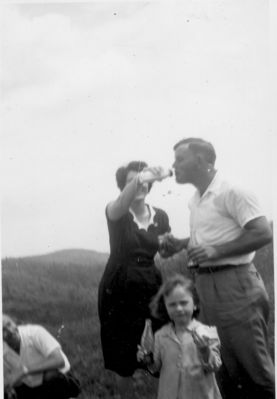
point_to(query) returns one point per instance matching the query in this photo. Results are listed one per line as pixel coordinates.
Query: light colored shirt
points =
(183, 372)
(219, 215)
(36, 345)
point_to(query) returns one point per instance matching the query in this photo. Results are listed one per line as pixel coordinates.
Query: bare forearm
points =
(55, 361)
(120, 206)
(51, 363)
(245, 243)
(254, 236)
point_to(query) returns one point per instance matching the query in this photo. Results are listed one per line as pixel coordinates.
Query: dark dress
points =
(129, 282)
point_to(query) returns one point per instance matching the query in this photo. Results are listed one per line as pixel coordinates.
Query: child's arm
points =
(157, 360)
(211, 359)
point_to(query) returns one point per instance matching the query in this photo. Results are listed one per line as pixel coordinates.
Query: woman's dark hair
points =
(122, 172)
(157, 306)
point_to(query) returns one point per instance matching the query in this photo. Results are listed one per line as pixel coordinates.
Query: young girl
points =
(186, 352)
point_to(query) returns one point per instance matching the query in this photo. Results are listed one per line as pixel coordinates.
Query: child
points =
(186, 352)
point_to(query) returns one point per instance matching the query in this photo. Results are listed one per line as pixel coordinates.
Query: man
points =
(226, 228)
(34, 363)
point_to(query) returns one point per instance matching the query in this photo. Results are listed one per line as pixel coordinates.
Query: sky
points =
(88, 87)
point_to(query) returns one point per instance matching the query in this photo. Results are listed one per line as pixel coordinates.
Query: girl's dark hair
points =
(157, 306)
(122, 172)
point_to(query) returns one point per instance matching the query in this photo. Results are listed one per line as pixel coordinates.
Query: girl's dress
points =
(183, 372)
(129, 282)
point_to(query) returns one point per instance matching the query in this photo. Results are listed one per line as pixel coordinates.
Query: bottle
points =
(147, 338)
(147, 176)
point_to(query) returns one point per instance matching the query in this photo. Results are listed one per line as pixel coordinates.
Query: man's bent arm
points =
(256, 233)
(52, 362)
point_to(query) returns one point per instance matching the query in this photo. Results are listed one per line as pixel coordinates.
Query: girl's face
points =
(143, 191)
(179, 305)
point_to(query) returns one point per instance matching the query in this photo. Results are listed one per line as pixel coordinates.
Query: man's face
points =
(11, 334)
(185, 164)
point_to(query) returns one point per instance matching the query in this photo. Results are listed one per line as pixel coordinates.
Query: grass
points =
(62, 296)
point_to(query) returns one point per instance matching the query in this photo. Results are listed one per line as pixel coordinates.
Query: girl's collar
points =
(171, 331)
(190, 327)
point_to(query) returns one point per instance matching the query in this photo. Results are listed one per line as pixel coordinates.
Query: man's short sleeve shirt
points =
(36, 345)
(219, 215)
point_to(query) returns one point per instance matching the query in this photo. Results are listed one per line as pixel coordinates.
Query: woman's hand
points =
(169, 245)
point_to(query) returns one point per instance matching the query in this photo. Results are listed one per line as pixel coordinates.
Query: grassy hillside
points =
(59, 290)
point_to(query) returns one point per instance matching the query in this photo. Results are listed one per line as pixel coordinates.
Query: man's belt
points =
(214, 269)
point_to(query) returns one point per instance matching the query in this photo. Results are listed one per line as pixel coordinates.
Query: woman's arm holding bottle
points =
(116, 209)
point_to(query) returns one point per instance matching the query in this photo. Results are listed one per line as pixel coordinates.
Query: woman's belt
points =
(143, 260)
(214, 269)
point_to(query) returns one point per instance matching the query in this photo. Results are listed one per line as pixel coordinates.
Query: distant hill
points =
(82, 257)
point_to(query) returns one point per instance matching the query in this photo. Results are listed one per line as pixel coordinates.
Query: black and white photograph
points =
(137, 199)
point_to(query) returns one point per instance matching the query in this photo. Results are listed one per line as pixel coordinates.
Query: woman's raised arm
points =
(116, 209)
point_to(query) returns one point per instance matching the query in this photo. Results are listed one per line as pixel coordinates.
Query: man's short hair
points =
(201, 146)
(6, 321)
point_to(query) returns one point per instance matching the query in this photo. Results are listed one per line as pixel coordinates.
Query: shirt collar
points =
(169, 329)
(213, 187)
(151, 220)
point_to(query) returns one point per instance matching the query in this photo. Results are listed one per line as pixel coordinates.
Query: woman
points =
(130, 279)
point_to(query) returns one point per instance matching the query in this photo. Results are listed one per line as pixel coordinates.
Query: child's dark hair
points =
(157, 305)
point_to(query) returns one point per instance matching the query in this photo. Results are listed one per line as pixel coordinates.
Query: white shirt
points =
(36, 345)
(219, 215)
